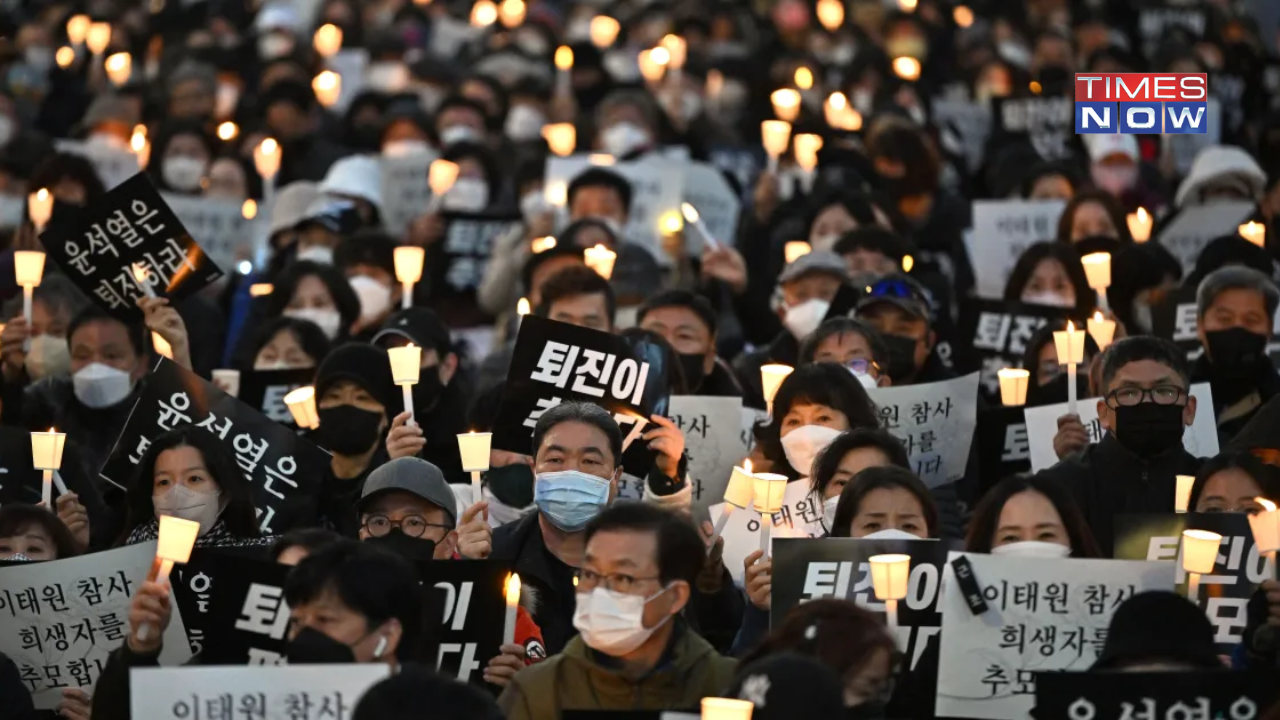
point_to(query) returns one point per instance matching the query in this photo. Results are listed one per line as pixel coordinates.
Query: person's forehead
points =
(101, 333)
(1145, 371)
(402, 501)
(640, 548)
(578, 300)
(674, 316)
(1239, 296)
(575, 435)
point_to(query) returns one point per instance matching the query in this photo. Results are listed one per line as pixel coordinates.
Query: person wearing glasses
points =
(851, 343)
(1145, 408)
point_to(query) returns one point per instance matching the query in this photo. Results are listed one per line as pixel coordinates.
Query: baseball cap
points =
(420, 326)
(901, 292)
(414, 476)
(818, 261)
(337, 216)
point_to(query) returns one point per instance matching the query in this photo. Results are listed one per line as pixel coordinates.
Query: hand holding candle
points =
(406, 365)
(28, 269)
(409, 261)
(474, 448)
(46, 456)
(177, 538)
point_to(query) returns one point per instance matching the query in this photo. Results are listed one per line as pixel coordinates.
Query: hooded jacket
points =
(1218, 166)
(582, 679)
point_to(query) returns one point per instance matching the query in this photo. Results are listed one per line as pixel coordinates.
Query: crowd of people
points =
(858, 268)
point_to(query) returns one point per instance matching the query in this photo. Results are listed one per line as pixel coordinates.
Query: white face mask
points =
(48, 356)
(327, 319)
(99, 386)
(524, 123)
(1047, 299)
(865, 380)
(824, 242)
(375, 298)
(183, 502)
(829, 512)
(890, 534)
(803, 319)
(613, 623)
(274, 45)
(110, 140)
(1033, 548)
(467, 195)
(459, 133)
(803, 444)
(624, 138)
(279, 364)
(405, 148)
(183, 172)
(322, 254)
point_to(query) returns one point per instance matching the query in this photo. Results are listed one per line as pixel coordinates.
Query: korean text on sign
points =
(310, 692)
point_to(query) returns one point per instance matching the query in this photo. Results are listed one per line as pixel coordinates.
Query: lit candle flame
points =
(690, 212)
(522, 307)
(1266, 504)
(564, 58)
(513, 590)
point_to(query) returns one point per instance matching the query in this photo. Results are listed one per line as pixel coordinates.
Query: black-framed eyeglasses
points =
(411, 525)
(1160, 395)
(587, 580)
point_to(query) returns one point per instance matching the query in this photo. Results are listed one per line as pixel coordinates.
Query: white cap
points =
(356, 176)
(291, 205)
(1103, 146)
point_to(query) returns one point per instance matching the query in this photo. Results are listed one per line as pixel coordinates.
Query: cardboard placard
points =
(1003, 446)
(712, 428)
(247, 617)
(935, 423)
(114, 164)
(459, 260)
(193, 586)
(269, 693)
(405, 192)
(800, 517)
(467, 597)
(219, 224)
(1002, 230)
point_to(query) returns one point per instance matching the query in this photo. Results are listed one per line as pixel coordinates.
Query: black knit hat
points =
(788, 686)
(1159, 626)
(366, 365)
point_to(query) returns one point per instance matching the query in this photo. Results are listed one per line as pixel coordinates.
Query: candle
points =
(564, 65)
(806, 147)
(963, 16)
(692, 218)
(770, 489)
(474, 448)
(775, 135)
(141, 148)
(177, 538)
(831, 14)
(440, 177)
(1102, 330)
(327, 86)
(786, 104)
(671, 222)
(907, 5)
(327, 40)
(726, 709)
(142, 277)
(907, 68)
(409, 261)
(46, 456)
(1140, 225)
(542, 244)
(119, 67)
(511, 13)
(40, 209)
(266, 159)
(1097, 270)
(604, 30)
(302, 406)
(600, 259)
(227, 131)
(771, 377)
(1070, 347)
(1266, 531)
(1199, 554)
(562, 138)
(1254, 232)
(406, 364)
(484, 13)
(98, 37)
(512, 593)
(522, 308)
(889, 580)
(653, 63)
(1182, 493)
(28, 268)
(601, 159)
(1013, 386)
(803, 78)
(677, 51)
(162, 346)
(796, 249)
(261, 289)
(78, 29)
(737, 496)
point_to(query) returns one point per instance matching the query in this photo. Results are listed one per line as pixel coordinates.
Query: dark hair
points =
(680, 549)
(344, 298)
(69, 166)
(238, 513)
(165, 134)
(839, 326)
(1064, 170)
(876, 239)
(93, 313)
(828, 461)
(843, 636)
(677, 384)
(366, 247)
(1143, 347)
(1113, 208)
(307, 333)
(597, 177)
(569, 235)
(986, 516)
(405, 695)
(458, 100)
(903, 142)
(16, 517)
(376, 583)
(692, 302)
(887, 477)
(1264, 475)
(573, 281)
(1066, 255)
(859, 205)
(814, 384)
(579, 412)
(309, 539)
(536, 260)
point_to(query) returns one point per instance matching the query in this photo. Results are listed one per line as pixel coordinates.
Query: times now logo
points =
(1142, 103)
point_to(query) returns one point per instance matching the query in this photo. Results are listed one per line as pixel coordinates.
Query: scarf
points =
(217, 537)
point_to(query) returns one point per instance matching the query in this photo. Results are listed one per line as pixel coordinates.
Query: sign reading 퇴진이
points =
(405, 192)
(1224, 593)
(712, 428)
(999, 335)
(1042, 614)
(718, 206)
(283, 469)
(264, 391)
(809, 569)
(114, 164)
(1172, 695)
(248, 610)
(129, 225)
(1201, 439)
(554, 362)
(225, 234)
(467, 597)
(265, 693)
(800, 517)
(1193, 228)
(935, 423)
(59, 620)
(1002, 229)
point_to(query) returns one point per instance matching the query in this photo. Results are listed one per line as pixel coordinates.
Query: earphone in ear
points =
(381, 648)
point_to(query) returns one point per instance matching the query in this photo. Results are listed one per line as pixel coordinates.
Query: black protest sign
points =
(457, 262)
(20, 482)
(1157, 21)
(994, 335)
(193, 585)
(555, 362)
(807, 569)
(1002, 444)
(129, 225)
(1196, 695)
(283, 469)
(1239, 569)
(264, 391)
(466, 614)
(247, 617)
(1047, 122)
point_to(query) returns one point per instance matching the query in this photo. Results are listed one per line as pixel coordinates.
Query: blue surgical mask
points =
(570, 499)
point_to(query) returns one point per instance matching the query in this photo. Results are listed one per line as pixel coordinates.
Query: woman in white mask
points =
(886, 501)
(846, 456)
(812, 407)
(181, 153)
(188, 473)
(55, 302)
(317, 293)
(368, 260)
(1050, 274)
(1030, 517)
(290, 344)
(626, 119)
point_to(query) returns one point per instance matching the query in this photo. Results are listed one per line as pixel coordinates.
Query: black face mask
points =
(410, 548)
(1236, 353)
(348, 430)
(512, 485)
(428, 389)
(902, 357)
(692, 365)
(1148, 429)
(1052, 392)
(312, 647)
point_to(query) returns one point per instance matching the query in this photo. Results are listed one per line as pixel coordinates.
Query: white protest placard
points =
(1201, 439)
(712, 428)
(1002, 229)
(706, 189)
(801, 516)
(1194, 227)
(114, 164)
(969, 123)
(405, 192)
(351, 64)
(750, 418)
(264, 691)
(1042, 614)
(60, 620)
(219, 225)
(935, 423)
